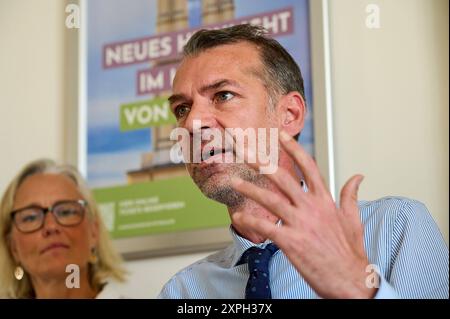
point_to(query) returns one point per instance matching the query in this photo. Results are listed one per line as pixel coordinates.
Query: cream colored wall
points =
(390, 95)
(391, 102)
(31, 83)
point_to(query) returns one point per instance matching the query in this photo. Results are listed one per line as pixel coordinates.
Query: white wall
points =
(390, 99)
(31, 86)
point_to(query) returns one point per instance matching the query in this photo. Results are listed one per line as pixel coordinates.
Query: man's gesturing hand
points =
(324, 242)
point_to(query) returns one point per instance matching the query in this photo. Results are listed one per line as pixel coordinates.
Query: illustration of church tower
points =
(215, 11)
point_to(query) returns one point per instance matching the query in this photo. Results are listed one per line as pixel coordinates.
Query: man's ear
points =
(293, 113)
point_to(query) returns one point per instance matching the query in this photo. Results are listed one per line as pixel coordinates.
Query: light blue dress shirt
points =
(401, 239)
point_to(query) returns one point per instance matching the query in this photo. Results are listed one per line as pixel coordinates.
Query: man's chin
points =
(217, 186)
(216, 173)
(224, 194)
(214, 181)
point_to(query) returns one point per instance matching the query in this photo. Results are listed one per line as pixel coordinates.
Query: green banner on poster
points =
(157, 207)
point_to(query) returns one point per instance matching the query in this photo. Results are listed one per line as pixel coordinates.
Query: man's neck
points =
(252, 208)
(250, 234)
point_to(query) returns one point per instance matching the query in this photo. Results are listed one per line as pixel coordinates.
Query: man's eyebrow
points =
(176, 98)
(213, 86)
(218, 84)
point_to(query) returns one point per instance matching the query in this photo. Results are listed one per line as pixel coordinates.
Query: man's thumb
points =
(349, 193)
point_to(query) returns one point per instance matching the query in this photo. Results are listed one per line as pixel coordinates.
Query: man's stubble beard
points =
(218, 186)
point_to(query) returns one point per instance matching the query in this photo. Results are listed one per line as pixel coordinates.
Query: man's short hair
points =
(281, 74)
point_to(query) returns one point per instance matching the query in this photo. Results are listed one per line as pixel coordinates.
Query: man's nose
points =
(200, 116)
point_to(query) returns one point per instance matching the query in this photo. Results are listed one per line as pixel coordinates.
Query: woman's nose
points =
(50, 224)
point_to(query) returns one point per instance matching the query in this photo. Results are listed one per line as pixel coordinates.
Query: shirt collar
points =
(241, 244)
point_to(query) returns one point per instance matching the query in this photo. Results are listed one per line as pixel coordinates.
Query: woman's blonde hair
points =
(108, 265)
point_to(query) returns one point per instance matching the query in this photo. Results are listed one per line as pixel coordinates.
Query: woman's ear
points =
(13, 248)
(293, 113)
(94, 232)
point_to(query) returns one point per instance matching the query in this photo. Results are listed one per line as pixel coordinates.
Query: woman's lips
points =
(54, 246)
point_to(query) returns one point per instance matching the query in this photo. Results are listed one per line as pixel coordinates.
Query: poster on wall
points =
(148, 202)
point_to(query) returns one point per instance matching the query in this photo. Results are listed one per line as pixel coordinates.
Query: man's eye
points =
(223, 96)
(181, 111)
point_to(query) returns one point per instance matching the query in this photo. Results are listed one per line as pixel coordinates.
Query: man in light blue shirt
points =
(401, 239)
(239, 78)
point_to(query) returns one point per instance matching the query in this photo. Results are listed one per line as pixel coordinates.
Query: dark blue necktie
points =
(258, 286)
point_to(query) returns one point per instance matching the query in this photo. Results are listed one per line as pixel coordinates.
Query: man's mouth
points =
(214, 154)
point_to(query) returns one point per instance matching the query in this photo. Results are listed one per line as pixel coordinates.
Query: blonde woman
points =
(50, 224)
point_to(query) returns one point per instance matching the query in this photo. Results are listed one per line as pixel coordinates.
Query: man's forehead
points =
(230, 61)
(234, 50)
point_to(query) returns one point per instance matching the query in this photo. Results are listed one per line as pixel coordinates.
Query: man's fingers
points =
(262, 226)
(270, 200)
(285, 182)
(349, 194)
(288, 185)
(306, 163)
(280, 177)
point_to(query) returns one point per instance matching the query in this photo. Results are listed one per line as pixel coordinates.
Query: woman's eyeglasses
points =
(66, 213)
